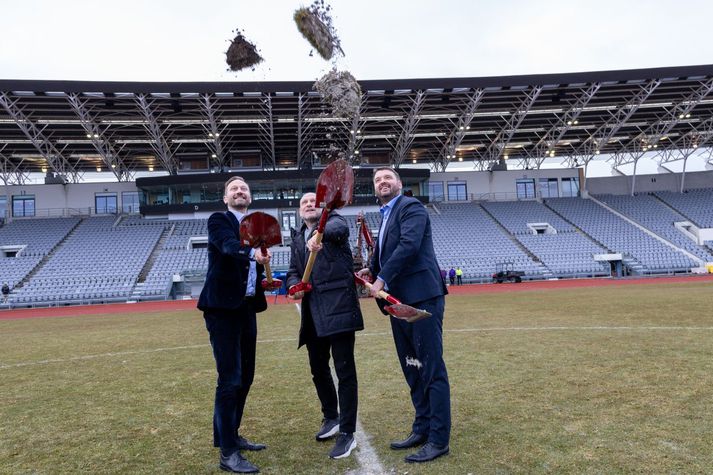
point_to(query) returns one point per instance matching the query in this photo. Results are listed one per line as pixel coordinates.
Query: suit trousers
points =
(233, 336)
(342, 348)
(419, 347)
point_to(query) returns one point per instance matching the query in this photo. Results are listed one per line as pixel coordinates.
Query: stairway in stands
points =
(138, 290)
(628, 261)
(546, 272)
(49, 255)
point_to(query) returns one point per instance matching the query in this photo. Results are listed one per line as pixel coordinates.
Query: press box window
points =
(23, 206)
(105, 203)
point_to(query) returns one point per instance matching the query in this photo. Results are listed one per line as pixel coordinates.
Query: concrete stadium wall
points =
(499, 185)
(52, 200)
(621, 185)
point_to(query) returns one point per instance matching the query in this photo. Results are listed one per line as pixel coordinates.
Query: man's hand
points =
(261, 258)
(296, 295)
(376, 287)
(365, 274)
(313, 245)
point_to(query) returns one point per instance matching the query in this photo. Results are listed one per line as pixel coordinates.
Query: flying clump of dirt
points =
(242, 53)
(341, 91)
(315, 24)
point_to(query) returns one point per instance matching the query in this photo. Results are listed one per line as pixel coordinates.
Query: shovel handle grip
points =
(312, 257)
(268, 271)
(383, 295)
(318, 237)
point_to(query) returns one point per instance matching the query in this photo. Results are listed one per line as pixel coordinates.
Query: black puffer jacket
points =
(332, 304)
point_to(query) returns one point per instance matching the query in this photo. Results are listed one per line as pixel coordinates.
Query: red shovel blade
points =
(407, 312)
(335, 185)
(260, 229)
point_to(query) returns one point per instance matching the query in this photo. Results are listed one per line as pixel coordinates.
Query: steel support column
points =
(405, 140)
(56, 161)
(455, 136)
(213, 130)
(101, 143)
(159, 143)
(502, 139)
(267, 133)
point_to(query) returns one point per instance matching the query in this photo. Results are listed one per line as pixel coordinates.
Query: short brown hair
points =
(232, 179)
(392, 170)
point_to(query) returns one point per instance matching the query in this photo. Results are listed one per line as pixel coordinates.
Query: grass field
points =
(589, 380)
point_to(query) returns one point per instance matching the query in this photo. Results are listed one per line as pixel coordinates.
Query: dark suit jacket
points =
(228, 267)
(406, 260)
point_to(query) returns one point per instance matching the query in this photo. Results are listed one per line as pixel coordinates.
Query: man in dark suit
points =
(231, 297)
(404, 264)
(330, 315)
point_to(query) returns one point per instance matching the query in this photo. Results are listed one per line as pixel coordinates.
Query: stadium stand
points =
(654, 215)
(31, 240)
(97, 262)
(696, 205)
(64, 261)
(643, 254)
(515, 215)
(563, 250)
(465, 235)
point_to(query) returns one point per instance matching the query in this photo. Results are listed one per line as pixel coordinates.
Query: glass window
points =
(105, 203)
(130, 201)
(211, 192)
(3, 207)
(289, 220)
(570, 187)
(157, 195)
(23, 206)
(435, 191)
(457, 191)
(548, 188)
(525, 188)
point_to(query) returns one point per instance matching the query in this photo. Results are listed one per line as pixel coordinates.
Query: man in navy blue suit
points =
(404, 264)
(231, 297)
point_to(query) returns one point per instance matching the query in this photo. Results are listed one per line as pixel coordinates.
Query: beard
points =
(387, 193)
(239, 202)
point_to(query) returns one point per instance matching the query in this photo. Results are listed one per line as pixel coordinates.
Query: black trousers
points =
(233, 337)
(342, 349)
(419, 346)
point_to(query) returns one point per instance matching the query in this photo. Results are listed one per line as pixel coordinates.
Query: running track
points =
(472, 289)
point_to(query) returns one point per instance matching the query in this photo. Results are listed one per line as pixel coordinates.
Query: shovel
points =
(334, 190)
(397, 309)
(262, 230)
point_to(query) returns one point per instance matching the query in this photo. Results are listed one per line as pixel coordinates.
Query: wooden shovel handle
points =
(268, 271)
(312, 256)
(383, 295)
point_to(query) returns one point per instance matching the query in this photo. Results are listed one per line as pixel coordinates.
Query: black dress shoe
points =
(427, 453)
(413, 440)
(245, 444)
(236, 463)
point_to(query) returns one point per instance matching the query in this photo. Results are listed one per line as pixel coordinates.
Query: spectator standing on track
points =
(5, 292)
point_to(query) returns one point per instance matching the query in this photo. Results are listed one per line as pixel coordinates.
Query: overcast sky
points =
(181, 40)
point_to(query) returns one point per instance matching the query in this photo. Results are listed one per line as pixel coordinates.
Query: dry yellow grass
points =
(594, 380)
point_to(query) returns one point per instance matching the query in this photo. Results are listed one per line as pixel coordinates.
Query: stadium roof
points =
(72, 127)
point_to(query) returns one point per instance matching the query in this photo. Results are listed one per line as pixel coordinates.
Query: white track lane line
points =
(361, 335)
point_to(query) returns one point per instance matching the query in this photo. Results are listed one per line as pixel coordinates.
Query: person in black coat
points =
(230, 299)
(330, 315)
(404, 264)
